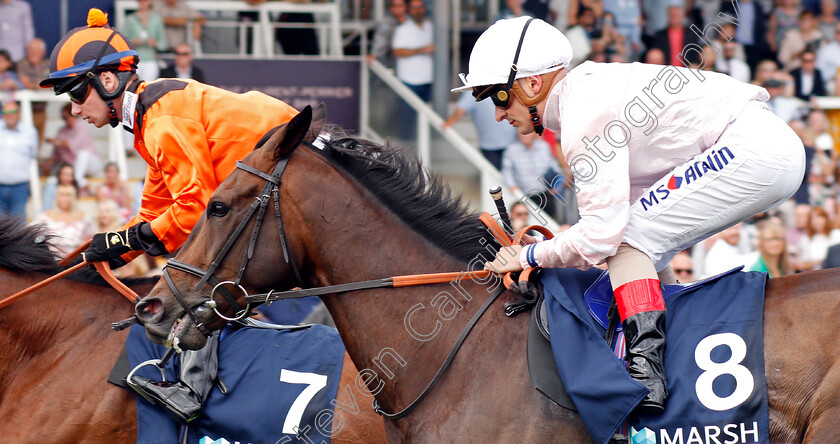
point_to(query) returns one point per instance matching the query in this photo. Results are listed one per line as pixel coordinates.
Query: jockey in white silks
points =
(662, 158)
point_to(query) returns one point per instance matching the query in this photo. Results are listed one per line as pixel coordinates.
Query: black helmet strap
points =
(122, 76)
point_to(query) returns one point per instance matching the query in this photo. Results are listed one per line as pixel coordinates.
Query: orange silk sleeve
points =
(174, 198)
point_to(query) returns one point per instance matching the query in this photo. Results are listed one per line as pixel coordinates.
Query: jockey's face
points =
(517, 115)
(93, 109)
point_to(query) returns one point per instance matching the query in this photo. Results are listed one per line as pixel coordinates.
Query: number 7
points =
(315, 383)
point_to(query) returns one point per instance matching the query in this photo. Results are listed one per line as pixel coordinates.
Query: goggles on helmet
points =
(499, 94)
(77, 90)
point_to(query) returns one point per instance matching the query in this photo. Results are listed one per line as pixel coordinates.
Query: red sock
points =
(639, 296)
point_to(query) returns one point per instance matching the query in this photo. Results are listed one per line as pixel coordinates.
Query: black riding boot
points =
(184, 399)
(644, 334)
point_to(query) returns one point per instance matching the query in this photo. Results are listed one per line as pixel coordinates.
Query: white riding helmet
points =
(544, 49)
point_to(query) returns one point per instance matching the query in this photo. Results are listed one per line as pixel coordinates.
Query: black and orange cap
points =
(95, 47)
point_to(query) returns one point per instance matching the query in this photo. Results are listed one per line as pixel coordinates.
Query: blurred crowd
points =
(789, 47)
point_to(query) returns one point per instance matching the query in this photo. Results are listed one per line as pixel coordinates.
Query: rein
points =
(103, 268)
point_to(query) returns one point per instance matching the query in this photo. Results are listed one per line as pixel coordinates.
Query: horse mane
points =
(27, 248)
(418, 198)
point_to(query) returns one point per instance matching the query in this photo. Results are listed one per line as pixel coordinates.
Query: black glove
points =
(113, 244)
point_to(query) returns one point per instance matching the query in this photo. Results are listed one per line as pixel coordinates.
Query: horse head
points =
(248, 206)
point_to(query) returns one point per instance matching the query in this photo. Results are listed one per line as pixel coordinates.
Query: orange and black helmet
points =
(89, 49)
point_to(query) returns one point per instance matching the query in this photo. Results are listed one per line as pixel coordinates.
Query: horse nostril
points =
(152, 307)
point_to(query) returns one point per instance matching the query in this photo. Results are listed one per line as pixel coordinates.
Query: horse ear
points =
(319, 119)
(291, 135)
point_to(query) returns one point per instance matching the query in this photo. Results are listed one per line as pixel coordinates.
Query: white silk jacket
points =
(622, 127)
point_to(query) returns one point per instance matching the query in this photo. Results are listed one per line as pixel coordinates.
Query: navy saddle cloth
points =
(714, 359)
(277, 380)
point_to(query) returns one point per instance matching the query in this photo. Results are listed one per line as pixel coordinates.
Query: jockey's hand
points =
(507, 259)
(528, 239)
(109, 246)
(113, 244)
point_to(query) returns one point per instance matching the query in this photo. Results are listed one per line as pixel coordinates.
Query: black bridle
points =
(269, 191)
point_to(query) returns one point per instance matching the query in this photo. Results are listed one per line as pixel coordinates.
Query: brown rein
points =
(504, 239)
(102, 267)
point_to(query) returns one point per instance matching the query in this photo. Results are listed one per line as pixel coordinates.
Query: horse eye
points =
(217, 209)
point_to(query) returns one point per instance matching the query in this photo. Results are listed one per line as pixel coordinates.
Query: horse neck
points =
(65, 314)
(355, 239)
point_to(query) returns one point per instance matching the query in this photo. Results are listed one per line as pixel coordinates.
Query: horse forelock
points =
(421, 200)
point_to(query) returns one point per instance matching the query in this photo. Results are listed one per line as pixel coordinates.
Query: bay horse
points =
(57, 350)
(353, 210)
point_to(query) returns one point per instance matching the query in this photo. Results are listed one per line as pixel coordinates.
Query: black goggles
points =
(77, 89)
(499, 94)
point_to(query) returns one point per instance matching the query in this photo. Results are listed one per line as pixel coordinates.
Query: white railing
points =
(330, 31)
(428, 119)
(116, 144)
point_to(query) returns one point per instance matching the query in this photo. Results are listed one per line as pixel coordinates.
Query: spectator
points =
(493, 136)
(413, 45)
(681, 264)
(604, 40)
(381, 47)
(828, 60)
(825, 156)
(766, 70)
(803, 194)
(144, 29)
(807, 79)
(30, 71)
(806, 36)
(656, 18)
(628, 23)
(73, 145)
(787, 108)
(794, 234)
(540, 9)
(116, 189)
(675, 37)
(299, 39)
(18, 147)
(614, 45)
(525, 162)
(70, 226)
(724, 253)
(814, 246)
(708, 61)
(179, 19)
(828, 19)
(65, 175)
(8, 79)
(16, 28)
(512, 9)
(654, 56)
(823, 140)
(518, 216)
(783, 19)
(751, 35)
(772, 251)
(730, 64)
(182, 67)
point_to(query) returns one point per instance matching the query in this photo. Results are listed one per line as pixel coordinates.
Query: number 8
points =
(744, 382)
